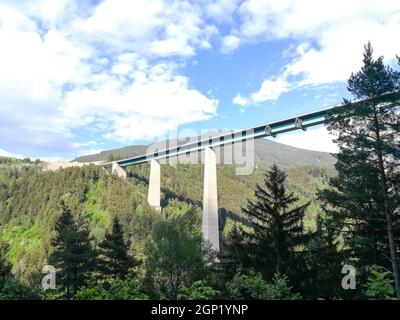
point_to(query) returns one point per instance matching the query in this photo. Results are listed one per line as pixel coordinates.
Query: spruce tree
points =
(365, 191)
(277, 229)
(324, 259)
(114, 259)
(73, 256)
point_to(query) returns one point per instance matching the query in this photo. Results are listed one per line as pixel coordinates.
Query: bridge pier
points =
(154, 185)
(210, 199)
(118, 170)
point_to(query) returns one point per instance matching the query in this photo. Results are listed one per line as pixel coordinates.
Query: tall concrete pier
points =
(154, 185)
(118, 170)
(210, 199)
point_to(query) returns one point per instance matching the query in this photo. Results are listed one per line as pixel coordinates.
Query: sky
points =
(78, 77)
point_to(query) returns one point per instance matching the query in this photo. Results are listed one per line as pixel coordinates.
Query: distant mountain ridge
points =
(267, 152)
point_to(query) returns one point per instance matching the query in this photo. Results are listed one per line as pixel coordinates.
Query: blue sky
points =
(78, 77)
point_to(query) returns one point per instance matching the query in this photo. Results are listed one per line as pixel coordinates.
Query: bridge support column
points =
(210, 200)
(118, 170)
(154, 185)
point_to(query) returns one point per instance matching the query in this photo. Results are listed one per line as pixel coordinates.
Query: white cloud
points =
(270, 90)
(330, 34)
(116, 20)
(239, 100)
(4, 153)
(117, 68)
(317, 139)
(222, 10)
(162, 28)
(229, 44)
(157, 101)
(66, 66)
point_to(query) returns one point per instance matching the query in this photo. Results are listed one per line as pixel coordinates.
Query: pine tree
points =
(113, 253)
(365, 192)
(73, 255)
(277, 229)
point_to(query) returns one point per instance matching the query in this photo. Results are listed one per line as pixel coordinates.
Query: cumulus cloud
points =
(4, 153)
(230, 43)
(316, 139)
(115, 69)
(270, 90)
(222, 10)
(330, 37)
(239, 100)
(157, 100)
(67, 66)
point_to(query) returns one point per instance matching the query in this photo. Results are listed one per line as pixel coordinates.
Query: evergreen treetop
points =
(113, 253)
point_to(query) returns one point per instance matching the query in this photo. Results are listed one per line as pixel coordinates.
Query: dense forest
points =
(286, 232)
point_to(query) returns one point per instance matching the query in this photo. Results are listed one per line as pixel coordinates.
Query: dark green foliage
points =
(274, 242)
(247, 286)
(364, 195)
(14, 290)
(199, 290)
(116, 289)
(379, 284)
(73, 256)
(114, 259)
(324, 259)
(251, 286)
(176, 256)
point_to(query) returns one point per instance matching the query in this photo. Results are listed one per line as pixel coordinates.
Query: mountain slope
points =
(267, 152)
(29, 197)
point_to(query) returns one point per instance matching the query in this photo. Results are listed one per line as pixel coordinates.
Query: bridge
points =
(208, 145)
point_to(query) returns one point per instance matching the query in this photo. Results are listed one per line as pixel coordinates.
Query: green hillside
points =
(29, 202)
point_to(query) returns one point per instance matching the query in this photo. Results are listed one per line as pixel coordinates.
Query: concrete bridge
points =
(210, 226)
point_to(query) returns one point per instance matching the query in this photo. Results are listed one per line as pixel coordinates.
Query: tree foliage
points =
(73, 255)
(364, 194)
(115, 289)
(379, 284)
(176, 256)
(199, 290)
(114, 259)
(273, 243)
(251, 286)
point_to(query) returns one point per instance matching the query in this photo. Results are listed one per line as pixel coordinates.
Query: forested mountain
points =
(29, 198)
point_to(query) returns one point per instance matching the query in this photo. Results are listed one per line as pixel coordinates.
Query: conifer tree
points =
(277, 229)
(365, 191)
(73, 256)
(324, 259)
(113, 253)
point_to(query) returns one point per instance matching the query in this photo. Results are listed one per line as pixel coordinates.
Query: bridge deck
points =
(299, 122)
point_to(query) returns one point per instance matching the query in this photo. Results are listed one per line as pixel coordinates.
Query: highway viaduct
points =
(207, 145)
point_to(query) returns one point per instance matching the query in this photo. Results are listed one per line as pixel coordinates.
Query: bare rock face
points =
(54, 166)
